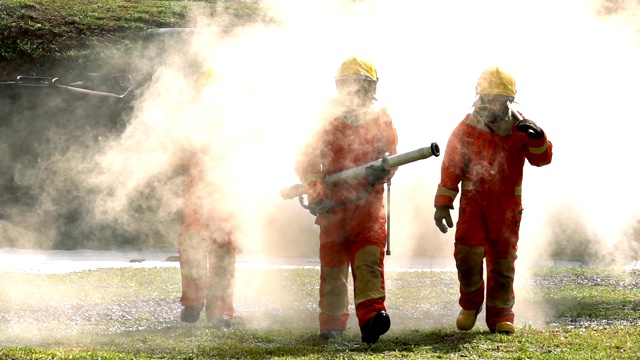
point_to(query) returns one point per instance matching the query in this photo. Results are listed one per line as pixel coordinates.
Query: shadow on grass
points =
(200, 341)
(448, 342)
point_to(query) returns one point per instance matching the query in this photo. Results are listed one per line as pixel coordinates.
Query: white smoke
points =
(575, 73)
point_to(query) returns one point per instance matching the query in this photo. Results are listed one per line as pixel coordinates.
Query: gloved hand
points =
(443, 213)
(376, 173)
(530, 128)
(319, 206)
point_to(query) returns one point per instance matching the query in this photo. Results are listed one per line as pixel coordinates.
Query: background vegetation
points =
(65, 37)
(49, 133)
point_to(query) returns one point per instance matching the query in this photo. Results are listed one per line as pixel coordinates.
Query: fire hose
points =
(387, 162)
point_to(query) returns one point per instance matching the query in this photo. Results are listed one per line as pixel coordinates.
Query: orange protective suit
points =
(353, 233)
(206, 244)
(489, 167)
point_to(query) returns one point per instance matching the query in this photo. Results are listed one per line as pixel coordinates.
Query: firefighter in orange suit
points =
(484, 161)
(206, 243)
(351, 215)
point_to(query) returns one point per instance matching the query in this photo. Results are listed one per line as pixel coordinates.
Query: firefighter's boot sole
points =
(466, 319)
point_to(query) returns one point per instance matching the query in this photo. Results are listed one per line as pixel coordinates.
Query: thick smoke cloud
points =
(575, 66)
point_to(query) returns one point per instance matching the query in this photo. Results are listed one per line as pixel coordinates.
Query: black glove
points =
(530, 128)
(443, 213)
(376, 173)
(320, 206)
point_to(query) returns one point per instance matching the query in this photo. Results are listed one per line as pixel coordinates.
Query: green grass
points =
(58, 37)
(570, 313)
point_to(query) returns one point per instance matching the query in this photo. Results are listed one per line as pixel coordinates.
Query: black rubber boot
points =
(191, 314)
(375, 327)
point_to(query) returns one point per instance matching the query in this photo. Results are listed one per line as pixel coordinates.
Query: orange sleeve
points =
(539, 151)
(452, 169)
(308, 161)
(390, 138)
(308, 167)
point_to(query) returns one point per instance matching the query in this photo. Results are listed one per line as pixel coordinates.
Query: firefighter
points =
(207, 245)
(485, 155)
(355, 130)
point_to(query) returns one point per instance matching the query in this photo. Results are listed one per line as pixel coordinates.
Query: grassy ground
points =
(60, 37)
(569, 313)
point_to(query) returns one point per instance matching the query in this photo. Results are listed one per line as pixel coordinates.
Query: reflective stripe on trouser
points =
(469, 262)
(368, 277)
(334, 297)
(491, 232)
(207, 268)
(500, 295)
(369, 290)
(357, 241)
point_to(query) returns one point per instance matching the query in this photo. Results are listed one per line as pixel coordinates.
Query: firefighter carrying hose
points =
(485, 155)
(207, 245)
(351, 214)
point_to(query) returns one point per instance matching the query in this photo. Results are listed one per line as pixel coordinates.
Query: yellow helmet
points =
(354, 68)
(205, 77)
(495, 81)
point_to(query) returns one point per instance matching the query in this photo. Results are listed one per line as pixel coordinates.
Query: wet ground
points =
(63, 261)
